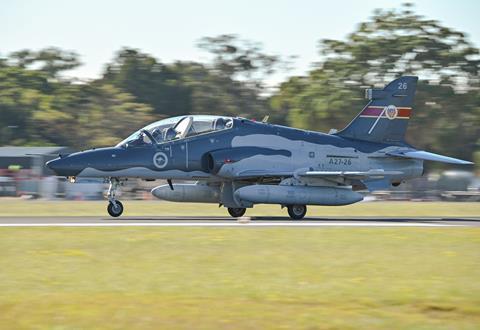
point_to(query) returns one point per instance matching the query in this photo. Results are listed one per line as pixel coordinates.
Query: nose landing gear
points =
(115, 207)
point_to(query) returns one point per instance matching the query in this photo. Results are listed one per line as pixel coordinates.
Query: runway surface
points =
(176, 221)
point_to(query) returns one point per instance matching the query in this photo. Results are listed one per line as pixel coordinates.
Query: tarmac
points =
(175, 221)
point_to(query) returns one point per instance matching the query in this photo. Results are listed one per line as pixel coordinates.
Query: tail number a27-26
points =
(340, 161)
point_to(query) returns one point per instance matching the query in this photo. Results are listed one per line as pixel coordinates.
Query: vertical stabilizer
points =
(385, 118)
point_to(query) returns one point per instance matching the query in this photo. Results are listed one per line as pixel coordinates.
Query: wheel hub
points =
(298, 209)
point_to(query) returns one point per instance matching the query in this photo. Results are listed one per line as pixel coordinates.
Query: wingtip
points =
(429, 156)
(462, 162)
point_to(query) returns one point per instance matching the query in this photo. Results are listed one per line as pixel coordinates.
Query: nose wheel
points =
(297, 212)
(115, 207)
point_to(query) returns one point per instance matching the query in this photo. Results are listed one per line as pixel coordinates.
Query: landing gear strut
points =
(114, 208)
(236, 212)
(297, 212)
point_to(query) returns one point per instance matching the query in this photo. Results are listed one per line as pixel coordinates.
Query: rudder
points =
(385, 118)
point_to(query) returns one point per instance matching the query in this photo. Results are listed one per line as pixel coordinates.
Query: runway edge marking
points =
(209, 224)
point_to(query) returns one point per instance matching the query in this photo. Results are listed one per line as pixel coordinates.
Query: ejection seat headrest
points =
(219, 124)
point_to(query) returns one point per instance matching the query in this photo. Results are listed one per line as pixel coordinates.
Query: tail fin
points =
(385, 118)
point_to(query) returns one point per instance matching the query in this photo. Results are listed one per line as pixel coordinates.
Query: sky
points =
(170, 30)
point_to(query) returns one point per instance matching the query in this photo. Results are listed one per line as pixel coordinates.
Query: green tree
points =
(182, 87)
(86, 116)
(212, 93)
(150, 81)
(240, 60)
(51, 60)
(21, 93)
(38, 108)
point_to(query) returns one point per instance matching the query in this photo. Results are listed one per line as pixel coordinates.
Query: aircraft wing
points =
(378, 173)
(424, 155)
(249, 174)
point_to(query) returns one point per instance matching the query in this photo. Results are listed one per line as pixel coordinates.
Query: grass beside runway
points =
(240, 278)
(15, 207)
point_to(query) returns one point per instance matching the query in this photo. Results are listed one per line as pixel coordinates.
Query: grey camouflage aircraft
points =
(237, 163)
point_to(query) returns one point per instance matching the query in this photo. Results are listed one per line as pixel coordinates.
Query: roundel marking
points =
(391, 112)
(160, 160)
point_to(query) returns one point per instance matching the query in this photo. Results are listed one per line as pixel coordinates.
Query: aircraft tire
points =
(236, 212)
(115, 210)
(297, 212)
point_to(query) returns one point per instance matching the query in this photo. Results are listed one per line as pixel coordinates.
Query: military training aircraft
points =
(237, 163)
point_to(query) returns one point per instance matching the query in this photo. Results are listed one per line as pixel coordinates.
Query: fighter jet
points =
(237, 162)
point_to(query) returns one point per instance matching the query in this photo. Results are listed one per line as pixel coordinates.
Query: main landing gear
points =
(236, 212)
(115, 207)
(297, 212)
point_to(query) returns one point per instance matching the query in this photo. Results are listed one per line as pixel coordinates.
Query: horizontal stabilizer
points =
(424, 155)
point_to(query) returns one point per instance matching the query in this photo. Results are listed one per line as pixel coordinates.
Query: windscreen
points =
(178, 128)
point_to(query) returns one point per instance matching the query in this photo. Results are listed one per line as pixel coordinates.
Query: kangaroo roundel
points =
(391, 112)
(160, 160)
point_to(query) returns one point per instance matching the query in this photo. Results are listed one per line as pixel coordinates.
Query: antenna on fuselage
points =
(333, 131)
(265, 119)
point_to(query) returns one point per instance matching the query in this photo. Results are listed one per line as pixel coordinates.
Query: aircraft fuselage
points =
(248, 147)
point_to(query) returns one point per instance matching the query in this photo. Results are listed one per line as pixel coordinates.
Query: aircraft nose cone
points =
(60, 167)
(53, 164)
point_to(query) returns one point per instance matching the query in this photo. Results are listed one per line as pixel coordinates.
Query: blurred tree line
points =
(38, 106)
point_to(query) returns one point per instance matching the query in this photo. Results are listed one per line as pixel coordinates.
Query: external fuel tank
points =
(194, 193)
(304, 195)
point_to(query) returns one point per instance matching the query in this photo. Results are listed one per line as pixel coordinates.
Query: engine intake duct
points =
(213, 161)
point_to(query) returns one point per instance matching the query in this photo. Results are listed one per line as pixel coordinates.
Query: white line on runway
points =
(229, 224)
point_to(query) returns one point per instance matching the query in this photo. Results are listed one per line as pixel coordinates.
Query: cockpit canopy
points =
(177, 128)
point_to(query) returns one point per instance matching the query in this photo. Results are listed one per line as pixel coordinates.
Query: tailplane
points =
(425, 155)
(385, 118)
